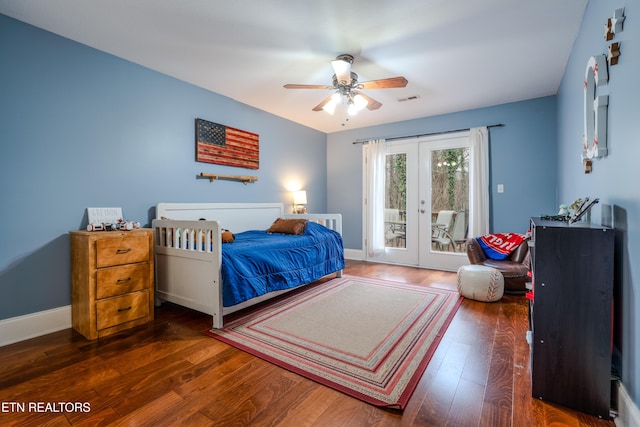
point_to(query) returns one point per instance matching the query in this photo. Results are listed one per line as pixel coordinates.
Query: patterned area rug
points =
(368, 338)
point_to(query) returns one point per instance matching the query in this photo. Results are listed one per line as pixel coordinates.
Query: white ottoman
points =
(480, 283)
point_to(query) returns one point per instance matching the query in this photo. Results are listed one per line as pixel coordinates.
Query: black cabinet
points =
(571, 314)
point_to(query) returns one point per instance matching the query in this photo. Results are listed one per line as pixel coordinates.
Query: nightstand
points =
(111, 281)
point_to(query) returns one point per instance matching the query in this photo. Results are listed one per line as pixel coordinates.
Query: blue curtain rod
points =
(365, 141)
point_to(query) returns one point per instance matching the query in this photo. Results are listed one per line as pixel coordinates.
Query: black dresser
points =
(571, 314)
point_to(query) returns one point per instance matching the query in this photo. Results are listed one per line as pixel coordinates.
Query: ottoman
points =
(480, 283)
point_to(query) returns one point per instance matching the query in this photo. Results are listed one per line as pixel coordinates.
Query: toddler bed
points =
(196, 270)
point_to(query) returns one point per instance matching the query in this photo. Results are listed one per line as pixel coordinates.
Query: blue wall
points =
(80, 128)
(522, 157)
(614, 178)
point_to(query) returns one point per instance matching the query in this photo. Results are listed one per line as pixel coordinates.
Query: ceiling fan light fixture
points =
(342, 68)
(329, 107)
(355, 103)
(360, 102)
(347, 88)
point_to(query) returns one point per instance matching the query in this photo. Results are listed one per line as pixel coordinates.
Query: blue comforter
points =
(258, 262)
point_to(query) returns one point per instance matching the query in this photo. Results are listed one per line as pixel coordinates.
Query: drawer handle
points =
(123, 251)
(124, 309)
(124, 280)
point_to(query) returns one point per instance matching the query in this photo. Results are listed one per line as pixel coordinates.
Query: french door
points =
(426, 202)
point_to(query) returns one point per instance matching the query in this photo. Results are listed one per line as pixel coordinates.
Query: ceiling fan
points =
(347, 89)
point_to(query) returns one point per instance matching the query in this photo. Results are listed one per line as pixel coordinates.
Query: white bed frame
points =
(187, 272)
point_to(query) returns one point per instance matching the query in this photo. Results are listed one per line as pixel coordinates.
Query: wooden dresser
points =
(111, 280)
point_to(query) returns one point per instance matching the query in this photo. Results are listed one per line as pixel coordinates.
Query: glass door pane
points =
(449, 199)
(401, 218)
(395, 213)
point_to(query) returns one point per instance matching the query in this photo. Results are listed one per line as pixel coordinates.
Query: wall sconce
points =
(299, 202)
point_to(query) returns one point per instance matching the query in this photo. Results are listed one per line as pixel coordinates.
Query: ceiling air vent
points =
(409, 98)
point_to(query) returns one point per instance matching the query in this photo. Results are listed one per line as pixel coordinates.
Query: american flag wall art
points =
(224, 145)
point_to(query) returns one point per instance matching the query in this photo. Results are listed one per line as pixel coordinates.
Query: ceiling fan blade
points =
(295, 86)
(322, 104)
(342, 69)
(392, 82)
(372, 104)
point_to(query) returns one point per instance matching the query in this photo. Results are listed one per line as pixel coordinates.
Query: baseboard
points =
(33, 325)
(354, 254)
(628, 412)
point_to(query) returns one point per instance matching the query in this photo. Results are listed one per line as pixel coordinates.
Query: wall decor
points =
(224, 145)
(614, 53)
(617, 20)
(594, 138)
(614, 24)
(608, 31)
(595, 109)
(245, 179)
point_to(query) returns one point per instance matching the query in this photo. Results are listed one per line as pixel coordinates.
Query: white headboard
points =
(236, 217)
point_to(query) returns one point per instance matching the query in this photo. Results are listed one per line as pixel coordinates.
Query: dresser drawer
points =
(125, 250)
(122, 309)
(115, 281)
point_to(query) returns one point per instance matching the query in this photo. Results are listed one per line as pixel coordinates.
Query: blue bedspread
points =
(257, 262)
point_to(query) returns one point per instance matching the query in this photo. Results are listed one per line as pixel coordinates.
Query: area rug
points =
(371, 339)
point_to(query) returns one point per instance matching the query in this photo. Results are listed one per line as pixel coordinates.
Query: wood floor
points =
(169, 373)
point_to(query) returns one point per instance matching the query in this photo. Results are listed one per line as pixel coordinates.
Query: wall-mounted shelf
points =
(245, 179)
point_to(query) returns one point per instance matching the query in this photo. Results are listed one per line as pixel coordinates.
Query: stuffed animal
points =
(564, 210)
(227, 236)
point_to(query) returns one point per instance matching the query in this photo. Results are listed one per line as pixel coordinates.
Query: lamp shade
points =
(329, 107)
(360, 102)
(300, 197)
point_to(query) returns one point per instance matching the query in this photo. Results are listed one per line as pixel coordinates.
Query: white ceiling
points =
(456, 54)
